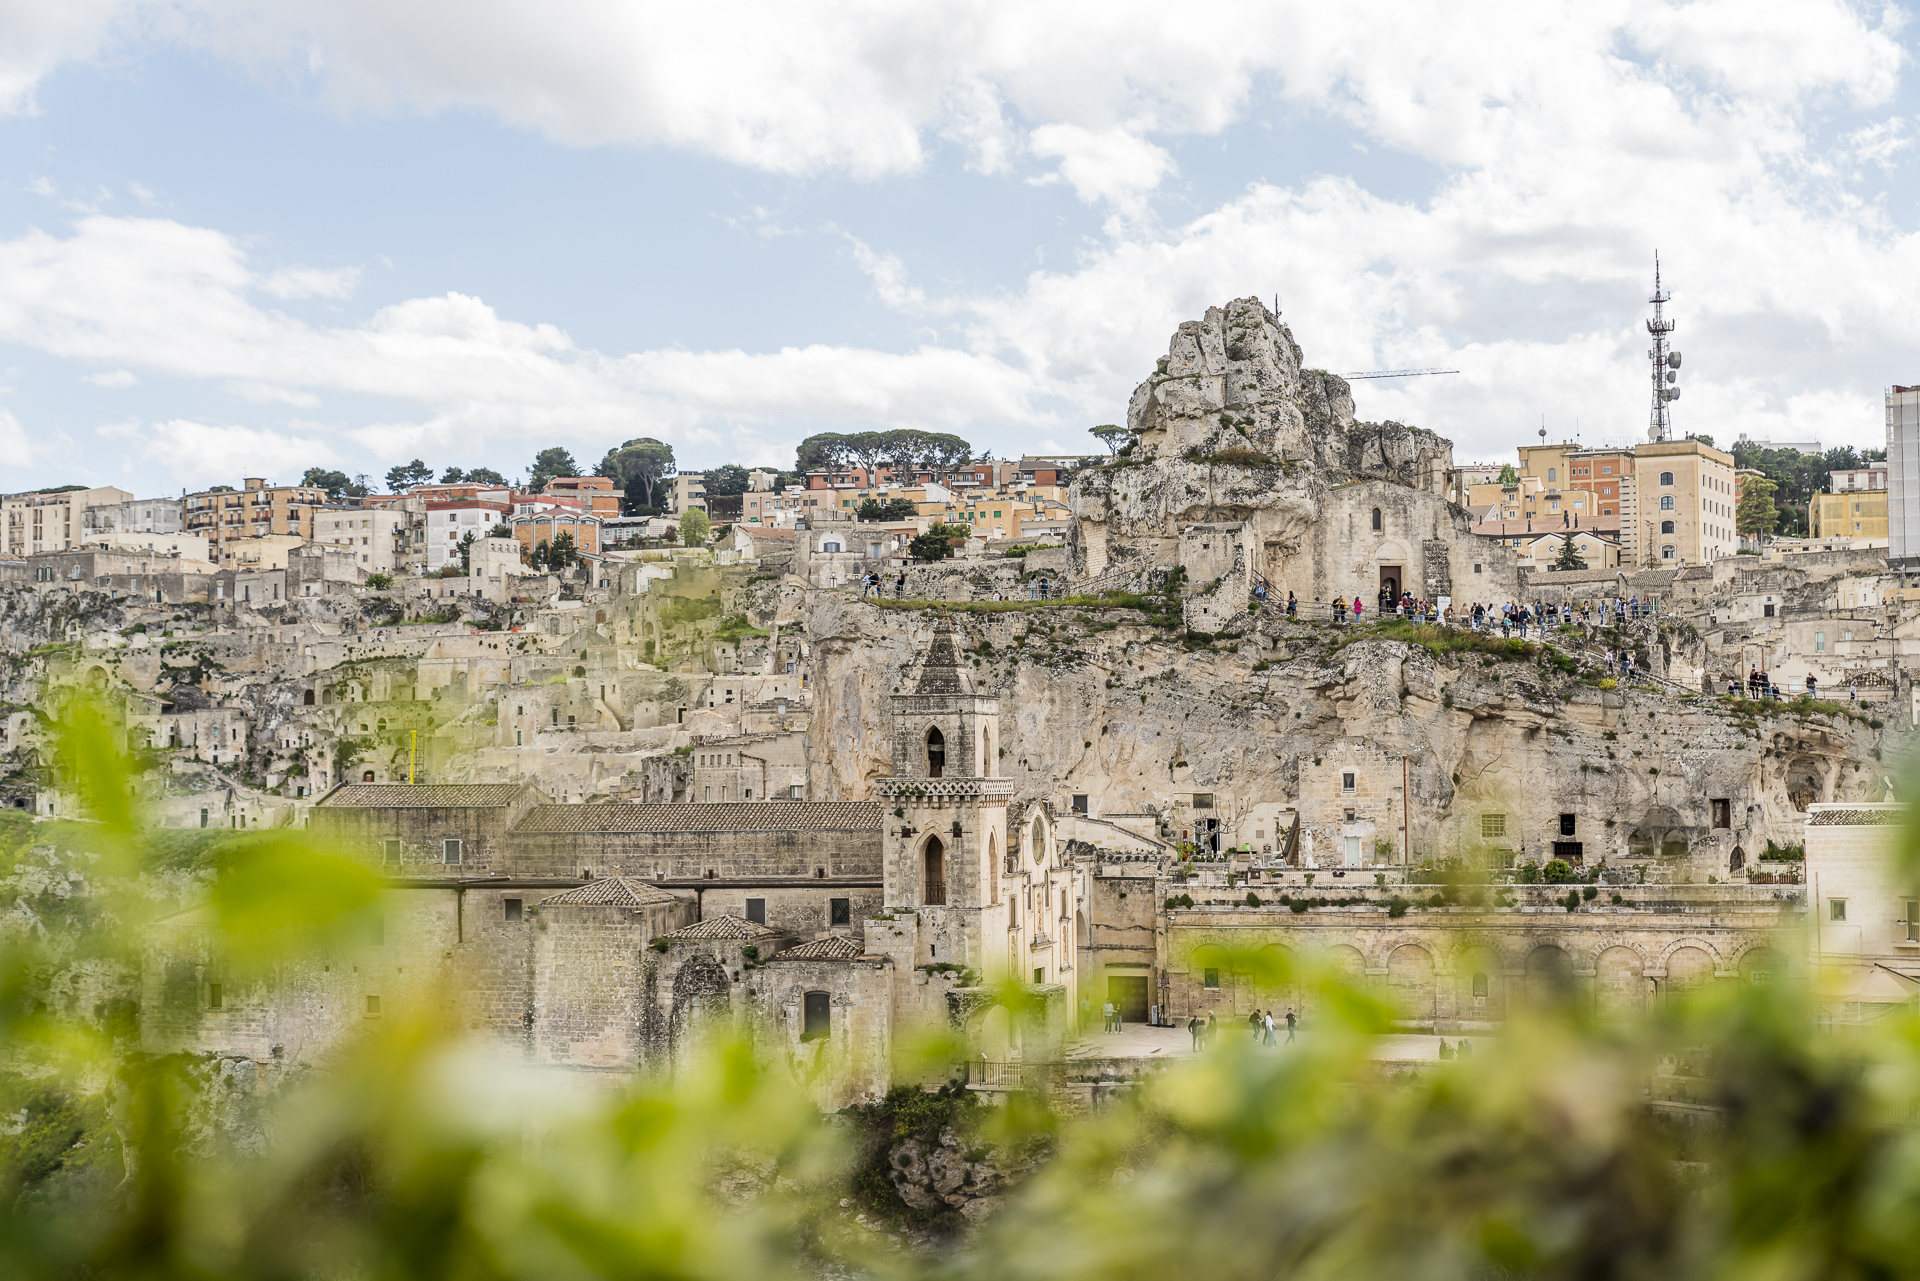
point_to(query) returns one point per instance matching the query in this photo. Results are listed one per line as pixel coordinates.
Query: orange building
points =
(222, 516)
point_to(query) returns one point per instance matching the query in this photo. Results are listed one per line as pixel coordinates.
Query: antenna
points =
(1666, 363)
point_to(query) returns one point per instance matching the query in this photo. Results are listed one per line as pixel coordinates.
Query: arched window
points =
(1480, 985)
(1552, 475)
(816, 1016)
(1666, 502)
(309, 698)
(1376, 520)
(1666, 527)
(829, 547)
(1666, 478)
(993, 867)
(936, 752)
(367, 776)
(934, 875)
(1039, 841)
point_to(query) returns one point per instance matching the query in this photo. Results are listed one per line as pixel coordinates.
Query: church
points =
(617, 938)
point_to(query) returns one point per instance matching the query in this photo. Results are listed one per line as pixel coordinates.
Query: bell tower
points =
(946, 834)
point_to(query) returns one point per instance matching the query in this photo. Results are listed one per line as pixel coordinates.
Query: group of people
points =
(1462, 1051)
(871, 582)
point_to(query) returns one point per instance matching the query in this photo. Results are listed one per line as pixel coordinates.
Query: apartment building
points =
(687, 491)
(1903, 477)
(1860, 513)
(534, 524)
(52, 520)
(376, 537)
(447, 523)
(223, 516)
(1591, 488)
(595, 494)
(1684, 513)
(1852, 479)
(136, 516)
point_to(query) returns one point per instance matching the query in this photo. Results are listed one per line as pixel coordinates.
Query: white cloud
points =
(112, 378)
(1112, 165)
(194, 449)
(312, 282)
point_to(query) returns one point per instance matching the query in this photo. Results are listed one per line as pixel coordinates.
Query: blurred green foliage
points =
(1549, 1152)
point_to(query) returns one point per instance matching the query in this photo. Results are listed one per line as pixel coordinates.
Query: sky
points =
(250, 238)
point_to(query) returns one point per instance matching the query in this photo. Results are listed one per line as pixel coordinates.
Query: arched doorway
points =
(1619, 988)
(1410, 981)
(933, 877)
(993, 867)
(701, 999)
(1549, 975)
(1736, 860)
(1688, 969)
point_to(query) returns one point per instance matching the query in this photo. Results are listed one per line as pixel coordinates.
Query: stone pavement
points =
(1141, 1041)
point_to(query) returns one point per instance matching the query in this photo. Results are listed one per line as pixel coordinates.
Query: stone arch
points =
(599, 615)
(1039, 834)
(1379, 521)
(1549, 974)
(1619, 981)
(933, 872)
(1345, 960)
(1805, 780)
(1761, 964)
(1690, 966)
(1736, 860)
(1082, 936)
(1410, 981)
(993, 866)
(1692, 940)
(990, 1033)
(1480, 977)
(986, 752)
(934, 744)
(307, 700)
(702, 997)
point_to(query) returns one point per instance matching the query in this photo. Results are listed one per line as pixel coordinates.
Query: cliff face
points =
(1230, 428)
(1102, 704)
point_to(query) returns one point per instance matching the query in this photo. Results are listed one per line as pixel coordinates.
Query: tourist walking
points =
(1291, 1021)
(1106, 1017)
(1269, 1025)
(1193, 1030)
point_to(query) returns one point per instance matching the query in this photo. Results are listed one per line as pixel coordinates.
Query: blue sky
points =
(257, 238)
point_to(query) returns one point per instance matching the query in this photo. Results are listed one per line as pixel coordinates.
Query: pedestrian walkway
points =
(1143, 1041)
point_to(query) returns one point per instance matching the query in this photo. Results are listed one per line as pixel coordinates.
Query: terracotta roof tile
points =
(620, 891)
(736, 816)
(722, 927)
(837, 948)
(1856, 818)
(423, 796)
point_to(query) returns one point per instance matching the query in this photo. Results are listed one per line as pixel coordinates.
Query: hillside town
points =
(838, 749)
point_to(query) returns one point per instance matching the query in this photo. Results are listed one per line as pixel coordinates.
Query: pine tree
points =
(1569, 557)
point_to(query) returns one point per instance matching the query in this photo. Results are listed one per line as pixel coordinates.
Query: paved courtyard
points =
(1141, 1041)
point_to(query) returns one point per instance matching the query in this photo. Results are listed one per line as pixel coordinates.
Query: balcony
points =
(1041, 941)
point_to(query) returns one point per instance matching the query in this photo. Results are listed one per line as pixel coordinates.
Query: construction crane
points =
(1400, 373)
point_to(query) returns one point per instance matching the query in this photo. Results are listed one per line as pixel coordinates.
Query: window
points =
(1912, 920)
(757, 911)
(1666, 527)
(1376, 520)
(1479, 987)
(390, 851)
(839, 911)
(1666, 478)
(1722, 813)
(513, 909)
(450, 851)
(213, 996)
(1210, 979)
(1493, 825)
(1767, 610)
(1666, 502)
(1666, 553)
(1351, 857)
(1567, 824)
(934, 879)
(1836, 909)
(1079, 803)
(1203, 800)
(1346, 781)
(936, 752)
(1819, 642)
(816, 1016)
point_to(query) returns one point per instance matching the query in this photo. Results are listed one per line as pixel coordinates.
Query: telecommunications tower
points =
(1666, 363)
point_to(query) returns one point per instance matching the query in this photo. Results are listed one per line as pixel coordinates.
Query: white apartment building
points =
(1903, 477)
(449, 522)
(376, 536)
(51, 522)
(136, 516)
(1857, 479)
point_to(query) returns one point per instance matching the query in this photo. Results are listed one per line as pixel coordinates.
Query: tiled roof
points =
(1857, 818)
(836, 948)
(722, 927)
(620, 891)
(735, 816)
(423, 796)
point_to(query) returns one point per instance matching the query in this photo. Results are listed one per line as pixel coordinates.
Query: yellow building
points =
(225, 517)
(51, 520)
(1686, 495)
(1859, 514)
